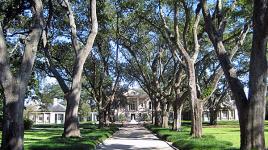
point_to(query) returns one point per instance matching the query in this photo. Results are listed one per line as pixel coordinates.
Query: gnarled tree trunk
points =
(157, 114)
(251, 110)
(258, 74)
(101, 117)
(196, 130)
(213, 115)
(71, 126)
(13, 128)
(153, 111)
(15, 86)
(177, 118)
(164, 116)
(196, 105)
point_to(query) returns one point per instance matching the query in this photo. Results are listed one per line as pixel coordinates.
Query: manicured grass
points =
(225, 135)
(48, 137)
(51, 139)
(84, 125)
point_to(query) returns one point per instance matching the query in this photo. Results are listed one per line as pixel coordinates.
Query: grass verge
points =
(50, 138)
(224, 136)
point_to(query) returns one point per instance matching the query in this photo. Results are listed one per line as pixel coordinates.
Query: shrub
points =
(122, 118)
(28, 124)
(145, 117)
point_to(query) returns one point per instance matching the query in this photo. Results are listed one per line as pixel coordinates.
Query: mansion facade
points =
(138, 108)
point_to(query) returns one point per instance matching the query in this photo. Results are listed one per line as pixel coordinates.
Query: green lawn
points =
(47, 137)
(223, 136)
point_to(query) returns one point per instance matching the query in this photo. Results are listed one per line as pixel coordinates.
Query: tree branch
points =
(73, 27)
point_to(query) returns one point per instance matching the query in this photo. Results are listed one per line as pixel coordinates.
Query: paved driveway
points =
(134, 138)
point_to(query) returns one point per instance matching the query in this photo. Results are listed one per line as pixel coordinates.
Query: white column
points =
(137, 104)
(36, 118)
(49, 120)
(220, 114)
(43, 118)
(235, 114)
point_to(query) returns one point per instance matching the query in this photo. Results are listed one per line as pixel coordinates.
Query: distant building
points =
(54, 114)
(224, 114)
(227, 111)
(138, 108)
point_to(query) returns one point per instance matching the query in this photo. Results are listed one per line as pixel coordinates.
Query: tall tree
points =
(81, 52)
(15, 85)
(251, 109)
(189, 52)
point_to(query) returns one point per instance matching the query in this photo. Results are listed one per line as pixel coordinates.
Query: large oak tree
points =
(15, 84)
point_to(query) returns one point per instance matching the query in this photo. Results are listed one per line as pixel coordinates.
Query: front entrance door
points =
(56, 118)
(132, 116)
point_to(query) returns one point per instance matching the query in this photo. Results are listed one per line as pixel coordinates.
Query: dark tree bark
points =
(15, 86)
(181, 46)
(157, 114)
(108, 110)
(196, 106)
(153, 111)
(72, 93)
(71, 124)
(251, 110)
(213, 115)
(196, 128)
(258, 74)
(101, 118)
(179, 100)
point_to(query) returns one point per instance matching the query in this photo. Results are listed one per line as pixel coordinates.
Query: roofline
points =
(44, 111)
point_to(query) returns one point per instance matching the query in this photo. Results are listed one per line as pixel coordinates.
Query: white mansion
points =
(138, 108)
(139, 105)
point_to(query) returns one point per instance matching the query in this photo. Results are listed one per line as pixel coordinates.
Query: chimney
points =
(55, 101)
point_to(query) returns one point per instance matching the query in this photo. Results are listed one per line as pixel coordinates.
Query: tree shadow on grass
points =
(89, 140)
(73, 147)
(60, 143)
(208, 142)
(183, 141)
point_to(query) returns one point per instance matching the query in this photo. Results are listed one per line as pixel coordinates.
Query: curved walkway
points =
(134, 138)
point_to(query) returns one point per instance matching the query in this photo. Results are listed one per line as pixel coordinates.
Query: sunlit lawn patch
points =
(225, 135)
(48, 137)
(51, 139)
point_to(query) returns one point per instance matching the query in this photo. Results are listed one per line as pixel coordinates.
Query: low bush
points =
(122, 118)
(28, 123)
